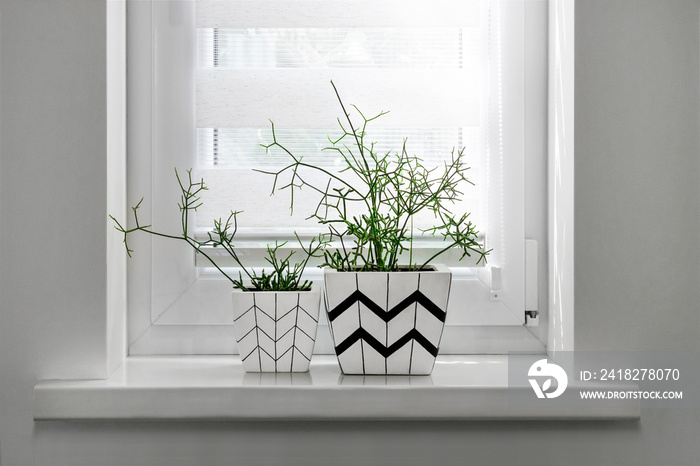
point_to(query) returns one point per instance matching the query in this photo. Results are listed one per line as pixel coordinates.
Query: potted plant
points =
(386, 311)
(275, 313)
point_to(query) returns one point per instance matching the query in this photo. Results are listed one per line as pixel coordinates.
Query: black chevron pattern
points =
(364, 335)
(413, 298)
(261, 354)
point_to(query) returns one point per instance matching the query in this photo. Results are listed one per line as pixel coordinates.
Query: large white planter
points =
(387, 322)
(276, 330)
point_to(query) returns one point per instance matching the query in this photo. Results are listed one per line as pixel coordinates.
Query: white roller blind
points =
(429, 63)
(338, 13)
(304, 98)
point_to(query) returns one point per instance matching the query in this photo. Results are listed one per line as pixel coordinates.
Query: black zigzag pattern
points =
(361, 334)
(413, 298)
(257, 311)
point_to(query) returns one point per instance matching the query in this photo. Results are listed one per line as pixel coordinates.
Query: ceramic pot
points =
(276, 330)
(387, 322)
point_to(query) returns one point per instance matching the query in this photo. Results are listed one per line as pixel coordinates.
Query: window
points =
(205, 77)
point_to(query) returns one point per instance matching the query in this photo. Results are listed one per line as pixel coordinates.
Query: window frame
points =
(147, 336)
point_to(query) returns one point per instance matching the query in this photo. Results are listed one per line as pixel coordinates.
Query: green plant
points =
(285, 275)
(391, 189)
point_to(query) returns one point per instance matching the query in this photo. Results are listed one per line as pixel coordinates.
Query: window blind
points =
(427, 62)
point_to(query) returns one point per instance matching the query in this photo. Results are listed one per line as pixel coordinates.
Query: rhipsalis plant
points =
(285, 275)
(390, 189)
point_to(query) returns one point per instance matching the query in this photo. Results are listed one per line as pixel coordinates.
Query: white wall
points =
(637, 262)
(637, 168)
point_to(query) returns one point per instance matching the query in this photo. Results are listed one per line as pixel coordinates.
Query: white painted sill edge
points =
(216, 388)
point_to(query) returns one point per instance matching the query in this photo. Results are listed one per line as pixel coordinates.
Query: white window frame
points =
(148, 336)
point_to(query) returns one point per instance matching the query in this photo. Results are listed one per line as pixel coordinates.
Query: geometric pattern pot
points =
(276, 330)
(387, 322)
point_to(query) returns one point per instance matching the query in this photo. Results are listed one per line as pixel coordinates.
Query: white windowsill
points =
(217, 388)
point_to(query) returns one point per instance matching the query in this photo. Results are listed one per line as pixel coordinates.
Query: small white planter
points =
(276, 330)
(387, 322)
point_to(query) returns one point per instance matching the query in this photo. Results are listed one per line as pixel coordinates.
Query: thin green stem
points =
(389, 188)
(285, 275)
